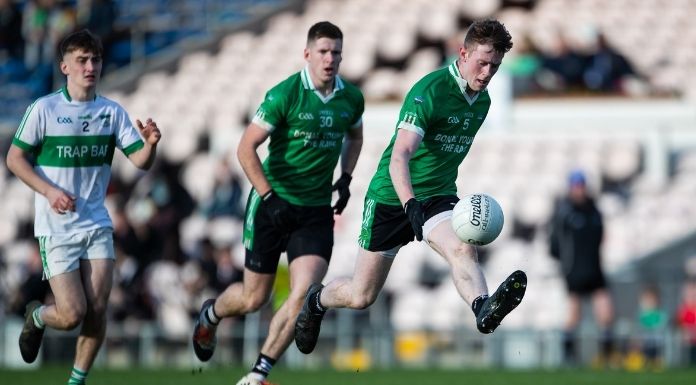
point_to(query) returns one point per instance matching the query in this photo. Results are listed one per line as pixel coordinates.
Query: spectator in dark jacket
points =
(11, 40)
(576, 232)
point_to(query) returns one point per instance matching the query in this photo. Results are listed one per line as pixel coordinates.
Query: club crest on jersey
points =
(106, 119)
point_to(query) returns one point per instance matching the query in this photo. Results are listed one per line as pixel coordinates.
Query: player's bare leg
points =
(470, 281)
(463, 260)
(97, 278)
(239, 298)
(70, 306)
(303, 271)
(358, 292)
(65, 314)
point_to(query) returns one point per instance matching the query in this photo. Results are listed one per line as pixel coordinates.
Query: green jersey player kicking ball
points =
(413, 191)
(63, 150)
(312, 118)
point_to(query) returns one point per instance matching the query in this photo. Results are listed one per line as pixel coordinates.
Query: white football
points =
(477, 219)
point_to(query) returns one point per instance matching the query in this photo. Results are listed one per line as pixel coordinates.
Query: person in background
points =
(45, 23)
(607, 69)
(11, 40)
(576, 232)
(686, 318)
(226, 198)
(98, 16)
(652, 320)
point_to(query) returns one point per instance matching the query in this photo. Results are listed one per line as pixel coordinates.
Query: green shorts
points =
(63, 253)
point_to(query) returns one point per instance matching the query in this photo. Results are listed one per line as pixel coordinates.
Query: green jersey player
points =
(72, 135)
(313, 119)
(413, 190)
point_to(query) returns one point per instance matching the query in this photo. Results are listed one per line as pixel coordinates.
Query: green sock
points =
(77, 377)
(36, 314)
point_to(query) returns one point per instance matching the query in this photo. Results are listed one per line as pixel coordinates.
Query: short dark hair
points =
(323, 29)
(83, 40)
(488, 31)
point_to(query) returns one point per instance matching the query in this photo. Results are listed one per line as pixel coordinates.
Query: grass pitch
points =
(282, 376)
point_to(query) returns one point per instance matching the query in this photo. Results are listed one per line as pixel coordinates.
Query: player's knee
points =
(363, 301)
(72, 318)
(97, 311)
(465, 251)
(254, 302)
(294, 302)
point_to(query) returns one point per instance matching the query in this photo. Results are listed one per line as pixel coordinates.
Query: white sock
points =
(256, 376)
(211, 317)
(36, 314)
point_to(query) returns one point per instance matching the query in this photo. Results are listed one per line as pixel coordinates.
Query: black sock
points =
(315, 303)
(607, 342)
(263, 365)
(569, 347)
(477, 305)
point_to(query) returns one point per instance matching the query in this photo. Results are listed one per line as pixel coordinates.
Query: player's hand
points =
(414, 211)
(60, 201)
(149, 131)
(341, 186)
(279, 210)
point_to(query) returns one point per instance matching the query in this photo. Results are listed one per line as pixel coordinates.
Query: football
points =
(477, 219)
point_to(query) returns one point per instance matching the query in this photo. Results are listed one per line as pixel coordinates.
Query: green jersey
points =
(306, 136)
(438, 109)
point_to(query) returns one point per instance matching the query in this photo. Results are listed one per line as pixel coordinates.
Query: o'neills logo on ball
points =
(487, 216)
(475, 210)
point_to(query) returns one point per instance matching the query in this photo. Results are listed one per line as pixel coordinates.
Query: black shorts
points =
(312, 234)
(386, 227)
(585, 285)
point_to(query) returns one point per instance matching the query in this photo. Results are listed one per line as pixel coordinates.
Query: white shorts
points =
(63, 253)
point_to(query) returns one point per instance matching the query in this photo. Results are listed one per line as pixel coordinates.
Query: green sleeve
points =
(273, 110)
(416, 110)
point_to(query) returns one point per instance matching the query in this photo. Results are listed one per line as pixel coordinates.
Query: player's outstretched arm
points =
(145, 157)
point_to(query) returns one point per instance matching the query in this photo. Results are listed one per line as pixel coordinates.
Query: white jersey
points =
(73, 145)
